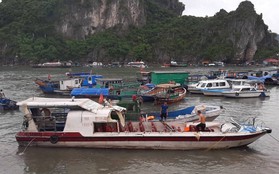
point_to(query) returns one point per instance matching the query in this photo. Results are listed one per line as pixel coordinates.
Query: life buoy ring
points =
(54, 139)
(236, 94)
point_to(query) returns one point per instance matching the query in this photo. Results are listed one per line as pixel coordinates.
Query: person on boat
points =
(101, 99)
(201, 126)
(2, 95)
(139, 100)
(45, 112)
(164, 111)
(261, 86)
(134, 98)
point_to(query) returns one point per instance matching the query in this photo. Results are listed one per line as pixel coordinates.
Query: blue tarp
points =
(90, 91)
(261, 79)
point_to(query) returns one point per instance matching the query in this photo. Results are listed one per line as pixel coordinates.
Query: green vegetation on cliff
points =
(27, 30)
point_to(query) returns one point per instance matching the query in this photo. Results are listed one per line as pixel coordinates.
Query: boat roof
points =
(87, 104)
(242, 86)
(167, 72)
(109, 79)
(213, 80)
(238, 80)
(168, 85)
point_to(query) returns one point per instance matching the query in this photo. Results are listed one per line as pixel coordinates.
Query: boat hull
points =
(251, 94)
(214, 92)
(169, 99)
(139, 140)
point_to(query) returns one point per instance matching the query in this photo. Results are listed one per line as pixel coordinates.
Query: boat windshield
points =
(203, 85)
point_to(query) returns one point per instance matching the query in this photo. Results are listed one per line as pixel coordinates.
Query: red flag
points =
(101, 99)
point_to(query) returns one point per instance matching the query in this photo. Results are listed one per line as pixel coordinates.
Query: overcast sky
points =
(269, 9)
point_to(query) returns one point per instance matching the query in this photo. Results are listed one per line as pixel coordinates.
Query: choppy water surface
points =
(260, 157)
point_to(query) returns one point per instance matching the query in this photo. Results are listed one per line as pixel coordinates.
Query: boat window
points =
(209, 85)
(76, 81)
(203, 85)
(245, 89)
(222, 84)
(215, 84)
(237, 83)
(105, 127)
(62, 82)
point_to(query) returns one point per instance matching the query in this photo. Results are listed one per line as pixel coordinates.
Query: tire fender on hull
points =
(54, 139)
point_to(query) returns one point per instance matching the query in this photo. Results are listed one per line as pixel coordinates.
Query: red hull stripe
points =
(76, 137)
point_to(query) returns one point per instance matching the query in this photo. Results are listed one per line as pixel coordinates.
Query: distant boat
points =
(65, 86)
(138, 64)
(7, 104)
(219, 92)
(209, 84)
(159, 91)
(112, 88)
(169, 93)
(175, 64)
(246, 92)
(47, 86)
(53, 65)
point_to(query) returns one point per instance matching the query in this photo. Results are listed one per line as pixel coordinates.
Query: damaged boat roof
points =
(84, 103)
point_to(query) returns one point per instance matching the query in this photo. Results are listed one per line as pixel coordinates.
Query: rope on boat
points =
(208, 149)
(21, 153)
(274, 138)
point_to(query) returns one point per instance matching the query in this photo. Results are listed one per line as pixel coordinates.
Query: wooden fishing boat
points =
(47, 86)
(86, 124)
(164, 92)
(169, 93)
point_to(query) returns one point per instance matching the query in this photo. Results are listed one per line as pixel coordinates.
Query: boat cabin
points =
(195, 78)
(90, 80)
(70, 115)
(213, 84)
(70, 84)
(108, 82)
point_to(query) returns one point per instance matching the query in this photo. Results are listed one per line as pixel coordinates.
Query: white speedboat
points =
(210, 112)
(219, 91)
(85, 123)
(138, 64)
(216, 84)
(244, 91)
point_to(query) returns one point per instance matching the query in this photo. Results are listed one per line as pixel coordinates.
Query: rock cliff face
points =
(243, 29)
(86, 17)
(247, 30)
(174, 5)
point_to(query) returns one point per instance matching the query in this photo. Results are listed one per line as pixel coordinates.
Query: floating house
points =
(159, 77)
